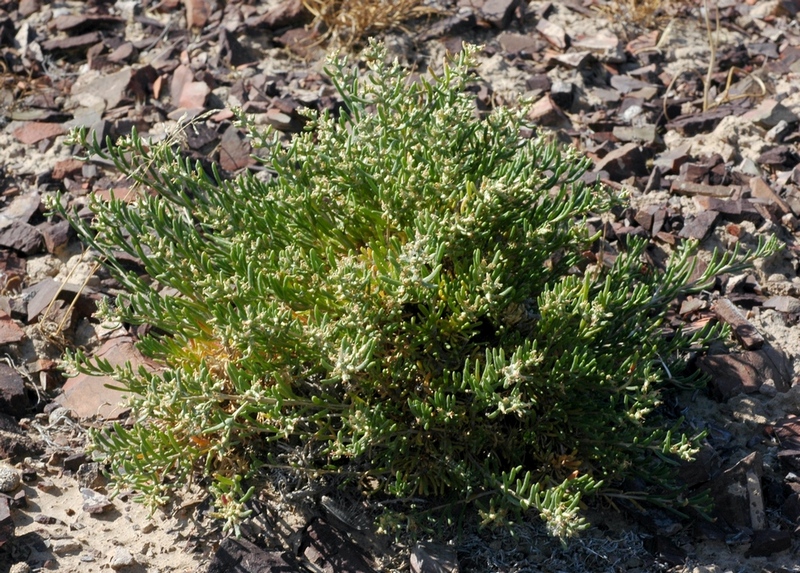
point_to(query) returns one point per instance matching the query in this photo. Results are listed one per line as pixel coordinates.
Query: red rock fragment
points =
(788, 304)
(13, 399)
(671, 160)
(197, 13)
(687, 188)
(572, 60)
(66, 168)
(745, 372)
(20, 236)
(695, 123)
(193, 95)
(601, 42)
(122, 53)
(553, 33)
(234, 152)
(56, 236)
(28, 7)
(499, 12)
(623, 162)
(513, 43)
(770, 113)
(546, 112)
(645, 42)
(79, 22)
(787, 431)
(88, 396)
(644, 133)
(699, 226)
(72, 43)
(180, 77)
(37, 131)
(10, 332)
(761, 189)
(743, 329)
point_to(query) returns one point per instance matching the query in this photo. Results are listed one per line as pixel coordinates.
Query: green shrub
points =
(403, 295)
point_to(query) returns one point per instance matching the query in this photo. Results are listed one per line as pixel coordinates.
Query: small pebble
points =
(63, 547)
(9, 479)
(122, 558)
(94, 502)
(20, 567)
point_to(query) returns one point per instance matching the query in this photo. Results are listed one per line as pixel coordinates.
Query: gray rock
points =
(122, 558)
(9, 478)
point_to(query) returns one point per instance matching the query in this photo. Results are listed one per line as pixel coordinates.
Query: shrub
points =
(403, 295)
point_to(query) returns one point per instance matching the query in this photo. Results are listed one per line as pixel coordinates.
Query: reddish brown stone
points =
(553, 33)
(623, 162)
(193, 95)
(20, 236)
(13, 398)
(499, 12)
(88, 396)
(687, 188)
(743, 329)
(56, 235)
(28, 7)
(745, 372)
(36, 131)
(769, 113)
(75, 23)
(518, 44)
(66, 168)
(48, 290)
(122, 53)
(10, 332)
(72, 43)
(546, 112)
(234, 152)
(180, 77)
(699, 226)
(197, 13)
(761, 189)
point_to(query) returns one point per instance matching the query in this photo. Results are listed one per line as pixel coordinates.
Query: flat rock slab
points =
(745, 372)
(86, 396)
(13, 398)
(10, 331)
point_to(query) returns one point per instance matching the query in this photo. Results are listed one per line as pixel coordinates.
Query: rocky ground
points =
(701, 127)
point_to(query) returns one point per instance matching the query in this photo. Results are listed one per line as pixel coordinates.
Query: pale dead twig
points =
(348, 21)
